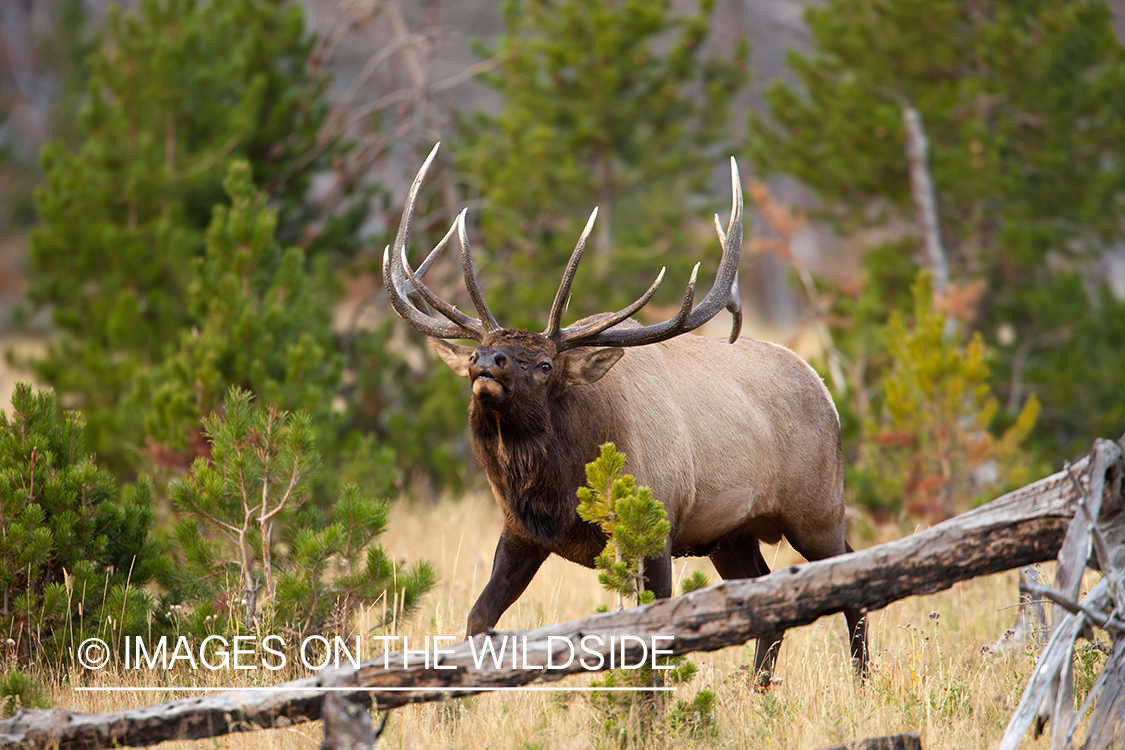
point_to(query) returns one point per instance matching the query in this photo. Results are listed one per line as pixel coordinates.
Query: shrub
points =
(255, 554)
(927, 447)
(636, 526)
(75, 553)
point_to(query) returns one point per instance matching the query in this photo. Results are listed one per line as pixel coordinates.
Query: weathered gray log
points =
(1021, 528)
(1049, 694)
(347, 723)
(1106, 728)
(187, 719)
(909, 741)
(1107, 722)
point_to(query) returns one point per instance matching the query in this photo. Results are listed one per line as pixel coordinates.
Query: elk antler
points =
(723, 293)
(409, 296)
(407, 292)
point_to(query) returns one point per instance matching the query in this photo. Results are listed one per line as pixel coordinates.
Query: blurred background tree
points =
(607, 103)
(177, 90)
(61, 56)
(260, 318)
(926, 445)
(1024, 107)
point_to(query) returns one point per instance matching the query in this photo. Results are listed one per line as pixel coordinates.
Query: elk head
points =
(510, 369)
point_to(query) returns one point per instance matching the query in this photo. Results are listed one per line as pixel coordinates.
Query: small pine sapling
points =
(18, 691)
(634, 523)
(245, 519)
(696, 581)
(636, 526)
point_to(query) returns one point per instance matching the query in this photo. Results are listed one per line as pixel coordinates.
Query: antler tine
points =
(404, 289)
(429, 261)
(637, 336)
(427, 324)
(580, 332)
(734, 305)
(487, 320)
(402, 237)
(471, 326)
(723, 293)
(554, 320)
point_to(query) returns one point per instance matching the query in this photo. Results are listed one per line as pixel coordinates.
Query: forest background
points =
(194, 198)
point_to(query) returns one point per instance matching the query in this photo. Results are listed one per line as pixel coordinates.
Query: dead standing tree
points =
(1096, 537)
(1023, 527)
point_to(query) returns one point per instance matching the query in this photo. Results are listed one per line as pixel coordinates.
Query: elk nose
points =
(487, 363)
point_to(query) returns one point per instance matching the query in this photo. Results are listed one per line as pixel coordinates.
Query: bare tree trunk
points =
(925, 200)
(603, 230)
(250, 586)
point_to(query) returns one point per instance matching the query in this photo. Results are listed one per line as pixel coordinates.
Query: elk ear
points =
(582, 367)
(453, 355)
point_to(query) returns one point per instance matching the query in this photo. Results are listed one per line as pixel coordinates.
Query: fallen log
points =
(1096, 536)
(909, 741)
(1021, 528)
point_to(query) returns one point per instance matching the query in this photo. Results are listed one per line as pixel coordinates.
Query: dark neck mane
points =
(537, 459)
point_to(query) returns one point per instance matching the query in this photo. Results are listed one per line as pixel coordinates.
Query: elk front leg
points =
(658, 574)
(513, 566)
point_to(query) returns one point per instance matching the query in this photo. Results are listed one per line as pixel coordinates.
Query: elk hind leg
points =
(812, 549)
(857, 630)
(740, 556)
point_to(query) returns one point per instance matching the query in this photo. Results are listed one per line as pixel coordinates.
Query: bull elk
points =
(740, 441)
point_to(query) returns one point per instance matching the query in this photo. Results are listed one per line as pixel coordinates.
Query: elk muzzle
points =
(490, 372)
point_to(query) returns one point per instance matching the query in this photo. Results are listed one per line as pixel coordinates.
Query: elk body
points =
(739, 440)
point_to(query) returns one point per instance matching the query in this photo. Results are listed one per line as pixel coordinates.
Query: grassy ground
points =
(929, 674)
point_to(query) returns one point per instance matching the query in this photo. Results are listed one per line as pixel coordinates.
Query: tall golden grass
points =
(928, 672)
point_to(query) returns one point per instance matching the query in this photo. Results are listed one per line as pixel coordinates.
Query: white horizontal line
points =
(530, 688)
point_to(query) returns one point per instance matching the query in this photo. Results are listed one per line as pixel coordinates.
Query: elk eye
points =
(545, 366)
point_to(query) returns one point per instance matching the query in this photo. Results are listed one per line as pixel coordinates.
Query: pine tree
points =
(178, 89)
(76, 554)
(1024, 108)
(635, 524)
(259, 320)
(927, 447)
(249, 535)
(593, 114)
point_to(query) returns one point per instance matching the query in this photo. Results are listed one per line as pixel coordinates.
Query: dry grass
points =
(928, 672)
